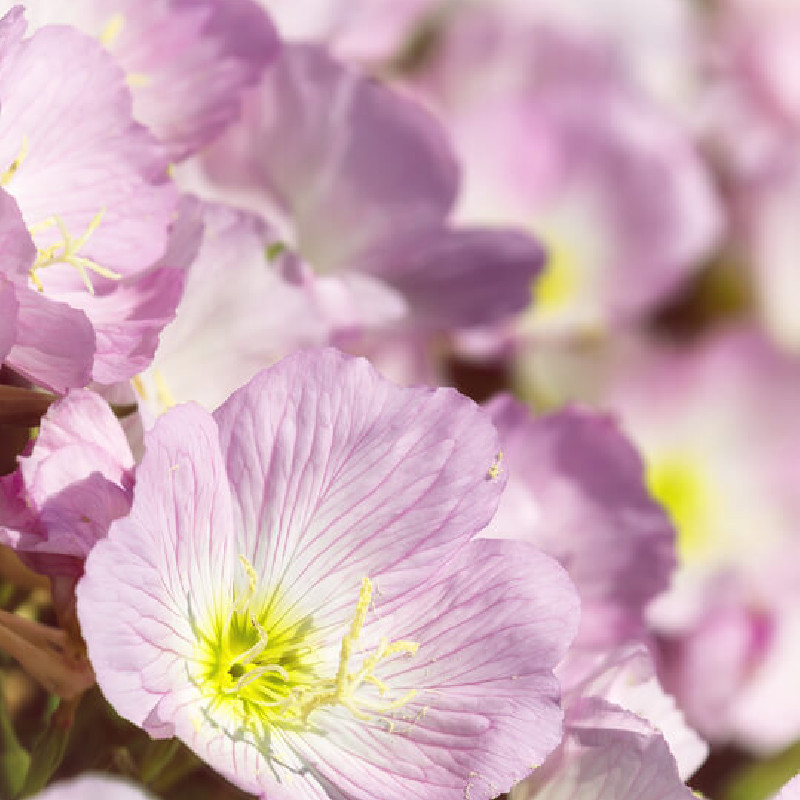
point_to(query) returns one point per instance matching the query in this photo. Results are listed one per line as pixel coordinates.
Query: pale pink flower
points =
(90, 186)
(624, 739)
(187, 62)
(717, 426)
(359, 182)
(297, 596)
(76, 478)
(577, 491)
(582, 157)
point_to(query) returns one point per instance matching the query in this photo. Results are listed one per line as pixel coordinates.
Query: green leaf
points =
(49, 749)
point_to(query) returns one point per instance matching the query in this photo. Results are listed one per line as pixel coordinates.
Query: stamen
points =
(66, 252)
(13, 168)
(255, 650)
(164, 395)
(347, 683)
(252, 586)
(494, 471)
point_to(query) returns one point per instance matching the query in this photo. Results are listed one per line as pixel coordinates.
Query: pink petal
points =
(607, 754)
(464, 278)
(491, 627)
(159, 567)
(55, 343)
(577, 491)
(354, 165)
(336, 469)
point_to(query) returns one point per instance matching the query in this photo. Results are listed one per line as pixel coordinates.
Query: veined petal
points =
(55, 343)
(490, 626)
(339, 475)
(78, 151)
(159, 568)
(607, 754)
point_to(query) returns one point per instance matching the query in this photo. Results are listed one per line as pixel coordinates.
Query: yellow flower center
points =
(681, 487)
(558, 284)
(259, 663)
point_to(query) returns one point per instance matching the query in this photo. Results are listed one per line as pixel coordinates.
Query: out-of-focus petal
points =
(457, 279)
(577, 490)
(352, 164)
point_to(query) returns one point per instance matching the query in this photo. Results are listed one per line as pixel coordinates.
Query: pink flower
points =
(241, 310)
(581, 157)
(624, 739)
(296, 595)
(187, 62)
(360, 181)
(76, 479)
(90, 187)
(717, 426)
(576, 490)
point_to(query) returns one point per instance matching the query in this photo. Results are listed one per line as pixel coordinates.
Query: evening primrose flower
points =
(577, 491)
(76, 478)
(360, 181)
(717, 426)
(87, 212)
(296, 594)
(186, 64)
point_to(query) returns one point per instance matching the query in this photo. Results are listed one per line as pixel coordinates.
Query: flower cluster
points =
(398, 399)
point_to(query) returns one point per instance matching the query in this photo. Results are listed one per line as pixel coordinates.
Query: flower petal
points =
(465, 278)
(338, 475)
(55, 343)
(158, 568)
(607, 754)
(353, 164)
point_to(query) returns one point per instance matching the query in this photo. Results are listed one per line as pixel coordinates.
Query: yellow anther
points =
(165, 397)
(112, 30)
(66, 252)
(138, 387)
(13, 168)
(493, 472)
